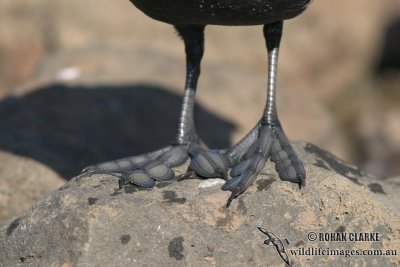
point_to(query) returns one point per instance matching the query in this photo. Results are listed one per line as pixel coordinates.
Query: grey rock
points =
(23, 182)
(90, 222)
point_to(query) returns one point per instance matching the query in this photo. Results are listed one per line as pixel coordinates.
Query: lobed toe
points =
(140, 178)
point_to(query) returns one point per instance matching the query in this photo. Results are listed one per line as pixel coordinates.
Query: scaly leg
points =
(247, 158)
(267, 139)
(144, 170)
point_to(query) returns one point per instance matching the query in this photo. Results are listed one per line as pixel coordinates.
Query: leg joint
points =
(269, 121)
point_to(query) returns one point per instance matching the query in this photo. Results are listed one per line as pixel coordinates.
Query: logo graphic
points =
(274, 240)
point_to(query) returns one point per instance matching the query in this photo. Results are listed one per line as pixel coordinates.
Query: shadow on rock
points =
(68, 128)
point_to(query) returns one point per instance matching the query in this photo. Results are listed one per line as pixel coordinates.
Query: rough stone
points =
(23, 182)
(89, 221)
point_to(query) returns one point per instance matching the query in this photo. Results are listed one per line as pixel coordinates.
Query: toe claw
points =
(229, 201)
(237, 185)
(121, 182)
(302, 181)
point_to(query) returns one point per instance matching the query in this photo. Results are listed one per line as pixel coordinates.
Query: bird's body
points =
(221, 12)
(246, 159)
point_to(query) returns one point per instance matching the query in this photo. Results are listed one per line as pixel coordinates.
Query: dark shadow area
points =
(68, 128)
(389, 58)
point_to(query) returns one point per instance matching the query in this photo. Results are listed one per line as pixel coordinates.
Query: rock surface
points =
(23, 182)
(90, 222)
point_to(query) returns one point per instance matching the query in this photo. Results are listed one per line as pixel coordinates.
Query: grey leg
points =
(267, 139)
(144, 170)
(246, 159)
(193, 37)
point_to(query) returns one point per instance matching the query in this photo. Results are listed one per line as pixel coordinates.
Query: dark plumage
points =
(221, 12)
(241, 163)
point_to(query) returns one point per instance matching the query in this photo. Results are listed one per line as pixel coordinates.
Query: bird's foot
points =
(271, 143)
(147, 169)
(144, 170)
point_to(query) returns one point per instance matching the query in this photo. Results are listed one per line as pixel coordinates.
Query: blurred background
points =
(87, 81)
